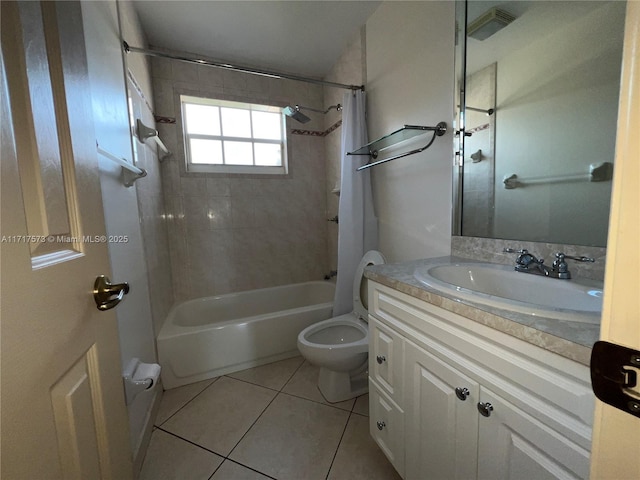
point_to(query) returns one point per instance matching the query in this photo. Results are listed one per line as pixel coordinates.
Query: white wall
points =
(410, 78)
(111, 117)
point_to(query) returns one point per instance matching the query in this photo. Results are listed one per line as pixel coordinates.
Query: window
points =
(233, 137)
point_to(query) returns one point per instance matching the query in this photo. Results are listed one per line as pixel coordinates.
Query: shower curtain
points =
(358, 227)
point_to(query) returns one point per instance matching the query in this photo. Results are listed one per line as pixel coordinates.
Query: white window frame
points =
(226, 168)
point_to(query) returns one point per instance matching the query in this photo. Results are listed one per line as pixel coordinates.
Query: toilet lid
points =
(372, 257)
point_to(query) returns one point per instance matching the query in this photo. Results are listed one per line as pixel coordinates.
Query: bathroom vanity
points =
(458, 392)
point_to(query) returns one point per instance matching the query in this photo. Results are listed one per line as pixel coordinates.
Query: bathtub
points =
(212, 336)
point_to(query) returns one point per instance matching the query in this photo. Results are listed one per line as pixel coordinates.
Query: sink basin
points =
(502, 287)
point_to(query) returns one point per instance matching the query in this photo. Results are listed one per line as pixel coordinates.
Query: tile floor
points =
(264, 422)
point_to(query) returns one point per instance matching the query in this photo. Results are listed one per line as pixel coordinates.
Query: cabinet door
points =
(386, 359)
(386, 425)
(441, 428)
(515, 445)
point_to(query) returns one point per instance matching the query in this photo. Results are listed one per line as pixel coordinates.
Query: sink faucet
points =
(528, 263)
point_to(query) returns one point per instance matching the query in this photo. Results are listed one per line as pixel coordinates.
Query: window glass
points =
(238, 153)
(236, 122)
(205, 151)
(223, 136)
(202, 119)
(267, 125)
(268, 154)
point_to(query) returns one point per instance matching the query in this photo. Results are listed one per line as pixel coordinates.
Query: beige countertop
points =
(567, 338)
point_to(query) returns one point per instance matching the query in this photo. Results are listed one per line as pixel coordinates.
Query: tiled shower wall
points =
(230, 233)
(349, 69)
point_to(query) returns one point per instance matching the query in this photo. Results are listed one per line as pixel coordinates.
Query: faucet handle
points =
(577, 259)
(561, 256)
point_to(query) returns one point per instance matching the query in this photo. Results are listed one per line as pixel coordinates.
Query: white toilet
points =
(340, 345)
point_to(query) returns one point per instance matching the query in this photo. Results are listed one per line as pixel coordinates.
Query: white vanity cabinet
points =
(433, 377)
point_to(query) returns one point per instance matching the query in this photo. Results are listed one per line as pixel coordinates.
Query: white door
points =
(442, 441)
(616, 434)
(63, 411)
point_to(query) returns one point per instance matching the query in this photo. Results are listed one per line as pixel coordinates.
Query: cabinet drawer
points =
(386, 425)
(386, 359)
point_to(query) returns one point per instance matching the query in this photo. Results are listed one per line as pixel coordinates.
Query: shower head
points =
(296, 114)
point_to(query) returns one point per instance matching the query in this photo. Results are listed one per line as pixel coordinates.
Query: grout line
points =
(192, 443)
(264, 386)
(250, 468)
(293, 374)
(214, 453)
(188, 402)
(215, 470)
(338, 447)
(315, 401)
(360, 414)
(251, 383)
(254, 422)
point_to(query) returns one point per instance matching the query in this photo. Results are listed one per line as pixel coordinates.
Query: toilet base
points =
(341, 386)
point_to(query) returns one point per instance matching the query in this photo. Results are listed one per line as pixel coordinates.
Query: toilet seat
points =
(372, 257)
(333, 351)
(354, 328)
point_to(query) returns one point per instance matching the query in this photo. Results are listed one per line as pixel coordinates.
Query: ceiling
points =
(534, 19)
(299, 37)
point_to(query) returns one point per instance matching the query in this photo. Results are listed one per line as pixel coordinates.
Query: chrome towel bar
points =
(130, 173)
(598, 172)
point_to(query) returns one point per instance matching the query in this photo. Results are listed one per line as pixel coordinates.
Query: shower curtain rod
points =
(190, 58)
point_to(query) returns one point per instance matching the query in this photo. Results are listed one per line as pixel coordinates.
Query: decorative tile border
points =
(139, 89)
(161, 119)
(317, 133)
(478, 128)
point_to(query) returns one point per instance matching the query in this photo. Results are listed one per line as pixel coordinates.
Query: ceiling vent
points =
(489, 23)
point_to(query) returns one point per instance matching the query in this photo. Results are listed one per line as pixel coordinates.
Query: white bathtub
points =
(212, 336)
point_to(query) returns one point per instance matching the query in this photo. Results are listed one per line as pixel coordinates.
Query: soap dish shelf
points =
(405, 133)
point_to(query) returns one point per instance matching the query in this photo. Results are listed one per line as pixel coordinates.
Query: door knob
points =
(380, 425)
(380, 359)
(108, 295)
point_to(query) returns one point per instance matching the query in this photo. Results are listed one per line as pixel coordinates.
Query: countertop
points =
(569, 339)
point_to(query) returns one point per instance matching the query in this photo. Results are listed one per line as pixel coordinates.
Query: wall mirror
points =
(538, 91)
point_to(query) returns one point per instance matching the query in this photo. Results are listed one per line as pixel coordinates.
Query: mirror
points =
(539, 102)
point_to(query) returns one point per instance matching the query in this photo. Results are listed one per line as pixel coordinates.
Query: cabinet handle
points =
(380, 425)
(380, 359)
(485, 409)
(462, 393)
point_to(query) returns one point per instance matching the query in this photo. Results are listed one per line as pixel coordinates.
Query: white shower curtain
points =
(358, 227)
